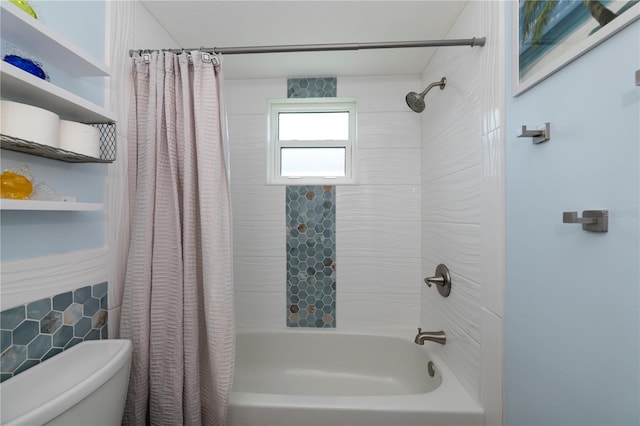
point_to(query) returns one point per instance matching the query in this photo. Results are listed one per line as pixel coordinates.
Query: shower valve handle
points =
(442, 280)
(434, 280)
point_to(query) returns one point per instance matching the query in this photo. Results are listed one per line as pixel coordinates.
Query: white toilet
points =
(84, 385)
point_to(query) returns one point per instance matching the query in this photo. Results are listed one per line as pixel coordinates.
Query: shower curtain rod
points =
(472, 42)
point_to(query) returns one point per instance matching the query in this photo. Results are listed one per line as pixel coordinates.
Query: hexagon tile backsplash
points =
(311, 256)
(37, 331)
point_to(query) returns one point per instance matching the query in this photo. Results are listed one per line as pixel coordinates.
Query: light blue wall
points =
(27, 234)
(82, 23)
(34, 234)
(572, 302)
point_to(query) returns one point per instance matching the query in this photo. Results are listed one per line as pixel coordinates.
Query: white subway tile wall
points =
(451, 231)
(462, 204)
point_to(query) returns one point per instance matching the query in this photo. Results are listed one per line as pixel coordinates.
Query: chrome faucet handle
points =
(434, 280)
(442, 279)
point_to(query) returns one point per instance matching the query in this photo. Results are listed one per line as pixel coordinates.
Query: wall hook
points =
(591, 220)
(539, 134)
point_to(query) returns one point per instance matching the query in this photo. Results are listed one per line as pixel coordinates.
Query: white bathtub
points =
(326, 378)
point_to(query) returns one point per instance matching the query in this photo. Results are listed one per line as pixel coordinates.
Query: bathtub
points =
(326, 378)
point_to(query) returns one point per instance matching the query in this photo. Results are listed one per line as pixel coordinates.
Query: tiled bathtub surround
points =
(311, 256)
(312, 87)
(37, 331)
(377, 220)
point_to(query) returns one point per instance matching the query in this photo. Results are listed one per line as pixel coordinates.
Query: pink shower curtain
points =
(178, 298)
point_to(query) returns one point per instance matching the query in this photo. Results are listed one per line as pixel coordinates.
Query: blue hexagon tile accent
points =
(37, 310)
(36, 331)
(26, 332)
(51, 322)
(312, 87)
(311, 235)
(11, 318)
(311, 256)
(62, 301)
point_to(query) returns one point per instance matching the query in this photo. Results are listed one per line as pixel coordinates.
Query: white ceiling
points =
(258, 23)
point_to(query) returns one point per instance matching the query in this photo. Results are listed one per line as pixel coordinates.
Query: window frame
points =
(310, 105)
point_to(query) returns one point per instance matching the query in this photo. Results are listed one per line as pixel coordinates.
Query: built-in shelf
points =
(19, 28)
(20, 86)
(32, 36)
(49, 205)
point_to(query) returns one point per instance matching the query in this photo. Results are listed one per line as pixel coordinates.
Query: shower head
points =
(416, 100)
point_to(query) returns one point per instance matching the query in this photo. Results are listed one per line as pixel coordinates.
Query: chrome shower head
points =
(415, 101)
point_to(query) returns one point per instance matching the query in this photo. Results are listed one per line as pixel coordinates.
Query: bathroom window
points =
(312, 141)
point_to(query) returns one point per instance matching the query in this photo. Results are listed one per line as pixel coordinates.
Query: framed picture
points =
(550, 34)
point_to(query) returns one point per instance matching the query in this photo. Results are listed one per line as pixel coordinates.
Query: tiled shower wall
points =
(462, 204)
(377, 221)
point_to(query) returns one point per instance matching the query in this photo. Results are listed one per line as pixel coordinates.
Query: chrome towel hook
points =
(539, 134)
(591, 220)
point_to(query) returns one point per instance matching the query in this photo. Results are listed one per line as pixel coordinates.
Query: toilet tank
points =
(84, 385)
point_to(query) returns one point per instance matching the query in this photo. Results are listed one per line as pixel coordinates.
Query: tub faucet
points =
(434, 336)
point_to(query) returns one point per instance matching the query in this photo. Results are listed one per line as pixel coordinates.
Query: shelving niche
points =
(17, 85)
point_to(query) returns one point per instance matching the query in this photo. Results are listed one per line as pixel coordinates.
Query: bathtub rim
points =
(449, 397)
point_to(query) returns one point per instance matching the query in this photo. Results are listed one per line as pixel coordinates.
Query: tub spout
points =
(433, 336)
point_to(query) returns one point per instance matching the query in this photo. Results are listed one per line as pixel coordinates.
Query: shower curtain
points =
(177, 306)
